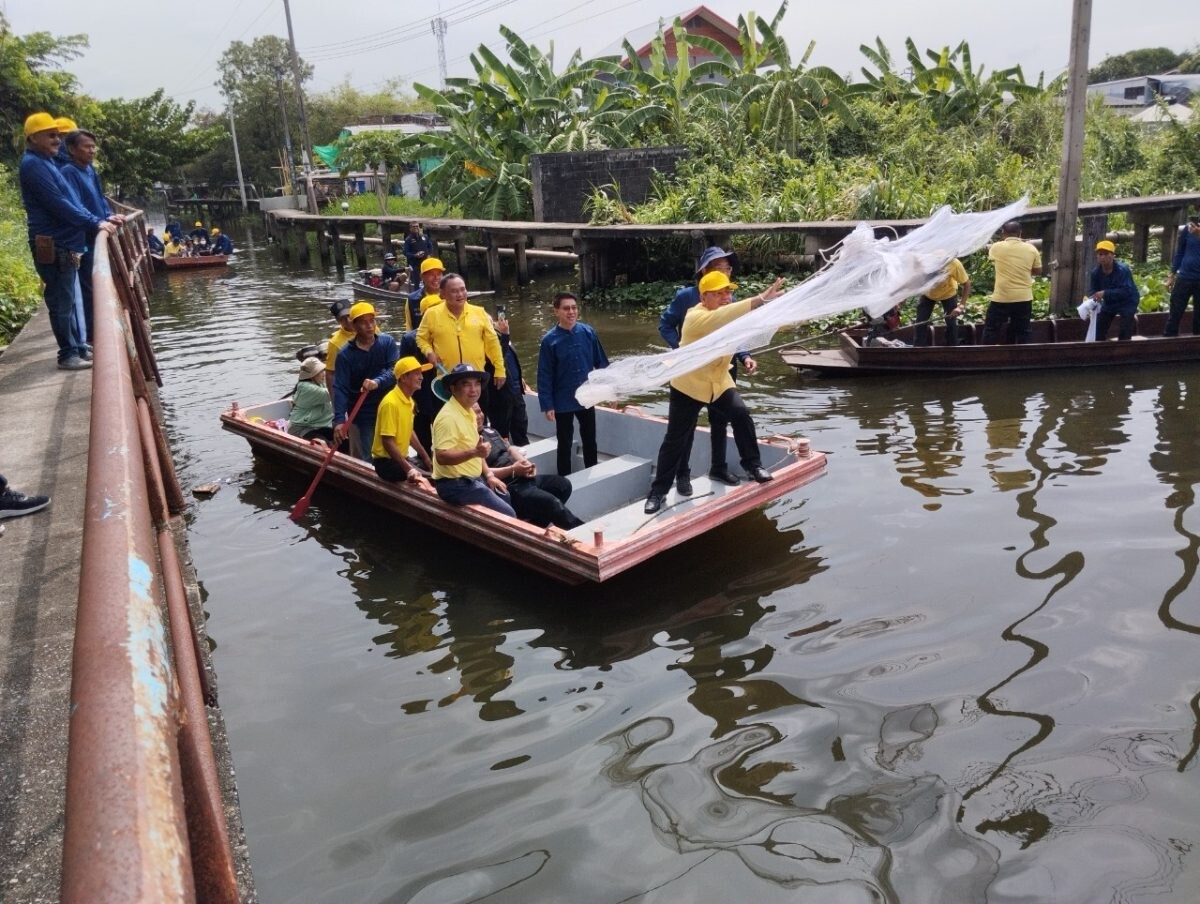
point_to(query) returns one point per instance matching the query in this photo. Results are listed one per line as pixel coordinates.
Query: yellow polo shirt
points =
(956, 275)
(708, 382)
(395, 419)
(1014, 260)
(469, 337)
(336, 341)
(454, 429)
(428, 301)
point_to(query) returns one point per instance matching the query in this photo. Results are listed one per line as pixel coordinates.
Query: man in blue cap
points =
(670, 326)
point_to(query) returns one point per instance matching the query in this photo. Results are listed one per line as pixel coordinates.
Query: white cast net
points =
(866, 272)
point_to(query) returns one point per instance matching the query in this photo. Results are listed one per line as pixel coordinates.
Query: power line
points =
(213, 43)
(368, 39)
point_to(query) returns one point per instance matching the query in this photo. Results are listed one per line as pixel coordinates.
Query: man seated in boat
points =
(312, 410)
(174, 231)
(198, 236)
(393, 277)
(457, 332)
(460, 471)
(417, 247)
(709, 385)
(172, 248)
(219, 242)
(363, 365)
(537, 498)
(1017, 262)
(426, 295)
(394, 428)
(155, 243)
(952, 294)
(1112, 285)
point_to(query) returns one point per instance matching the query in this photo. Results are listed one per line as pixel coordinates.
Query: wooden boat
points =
(190, 263)
(1056, 344)
(364, 289)
(616, 535)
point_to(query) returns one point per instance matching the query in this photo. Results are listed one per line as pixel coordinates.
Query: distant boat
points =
(366, 290)
(1056, 344)
(609, 497)
(190, 263)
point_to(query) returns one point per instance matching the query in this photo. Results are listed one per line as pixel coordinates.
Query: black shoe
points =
(683, 484)
(14, 504)
(760, 475)
(74, 363)
(725, 476)
(653, 503)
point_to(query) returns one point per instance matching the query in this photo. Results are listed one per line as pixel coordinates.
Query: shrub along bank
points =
(20, 288)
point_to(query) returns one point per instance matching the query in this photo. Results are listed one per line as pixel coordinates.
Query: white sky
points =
(140, 45)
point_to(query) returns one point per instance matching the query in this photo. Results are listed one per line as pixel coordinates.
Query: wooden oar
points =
(300, 508)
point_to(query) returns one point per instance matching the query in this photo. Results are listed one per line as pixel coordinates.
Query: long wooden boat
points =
(366, 290)
(1056, 344)
(190, 263)
(609, 496)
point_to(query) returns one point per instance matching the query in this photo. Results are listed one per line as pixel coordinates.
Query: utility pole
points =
(439, 32)
(287, 132)
(305, 151)
(237, 159)
(1063, 290)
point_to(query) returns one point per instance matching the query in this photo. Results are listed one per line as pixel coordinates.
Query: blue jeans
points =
(62, 286)
(472, 491)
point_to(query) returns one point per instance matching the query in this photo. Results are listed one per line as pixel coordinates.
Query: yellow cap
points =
(66, 124)
(715, 282)
(408, 364)
(431, 263)
(1106, 245)
(360, 308)
(214, 231)
(198, 223)
(39, 122)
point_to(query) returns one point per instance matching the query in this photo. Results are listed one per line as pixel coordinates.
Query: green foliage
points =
(20, 287)
(368, 206)
(383, 154)
(342, 105)
(1146, 61)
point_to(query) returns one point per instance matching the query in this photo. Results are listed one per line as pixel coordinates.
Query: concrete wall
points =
(284, 202)
(562, 182)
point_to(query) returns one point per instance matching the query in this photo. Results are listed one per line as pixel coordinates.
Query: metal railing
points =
(145, 818)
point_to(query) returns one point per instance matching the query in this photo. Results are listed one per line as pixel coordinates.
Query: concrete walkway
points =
(43, 450)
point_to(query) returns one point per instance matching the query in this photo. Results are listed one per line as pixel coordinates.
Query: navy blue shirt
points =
(355, 365)
(414, 245)
(86, 182)
(1186, 261)
(51, 206)
(414, 308)
(565, 359)
(514, 382)
(155, 243)
(222, 244)
(1120, 291)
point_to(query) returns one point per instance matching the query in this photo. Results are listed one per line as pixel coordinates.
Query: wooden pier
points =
(209, 209)
(604, 252)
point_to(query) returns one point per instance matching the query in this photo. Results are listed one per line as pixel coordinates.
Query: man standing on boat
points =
(417, 247)
(457, 332)
(1184, 281)
(952, 294)
(58, 231)
(709, 385)
(1016, 262)
(568, 353)
(1112, 285)
(425, 295)
(670, 324)
(460, 472)
(363, 365)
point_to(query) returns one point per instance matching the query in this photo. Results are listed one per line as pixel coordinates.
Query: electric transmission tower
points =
(439, 32)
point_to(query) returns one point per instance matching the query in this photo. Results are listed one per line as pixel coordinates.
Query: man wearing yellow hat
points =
(199, 235)
(424, 296)
(394, 427)
(219, 242)
(1112, 285)
(363, 365)
(58, 230)
(66, 126)
(711, 386)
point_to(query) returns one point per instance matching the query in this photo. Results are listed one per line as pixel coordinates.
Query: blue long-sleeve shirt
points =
(155, 243)
(1120, 291)
(355, 365)
(670, 324)
(51, 206)
(414, 245)
(565, 359)
(86, 182)
(1186, 261)
(222, 244)
(514, 382)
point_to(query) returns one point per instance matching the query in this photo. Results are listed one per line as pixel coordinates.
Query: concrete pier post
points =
(1170, 234)
(460, 252)
(285, 236)
(522, 261)
(1047, 247)
(493, 261)
(302, 249)
(323, 245)
(339, 251)
(360, 246)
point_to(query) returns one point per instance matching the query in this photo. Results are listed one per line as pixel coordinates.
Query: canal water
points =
(961, 667)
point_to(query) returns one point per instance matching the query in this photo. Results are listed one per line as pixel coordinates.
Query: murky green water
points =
(961, 667)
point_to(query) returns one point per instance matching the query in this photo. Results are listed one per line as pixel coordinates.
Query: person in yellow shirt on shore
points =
(394, 427)
(457, 332)
(952, 294)
(1017, 262)
(711, 386)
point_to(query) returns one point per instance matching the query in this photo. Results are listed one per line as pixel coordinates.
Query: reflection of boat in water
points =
(190, 263)
(609, 496)
(1056, 344)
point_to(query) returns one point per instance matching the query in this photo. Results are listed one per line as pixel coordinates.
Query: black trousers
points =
(509, 418)
(1017, 314)
(1185, 290)
(541, 501)
(718, 432)
(923, 334)
(681, 425)
(564, 427)
(1105, 318)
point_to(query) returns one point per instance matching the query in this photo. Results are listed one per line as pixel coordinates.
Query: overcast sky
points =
(140, 45)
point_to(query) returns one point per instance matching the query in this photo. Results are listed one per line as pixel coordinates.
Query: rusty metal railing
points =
(144, 814)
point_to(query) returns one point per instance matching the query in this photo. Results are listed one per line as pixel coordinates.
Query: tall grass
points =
(20, 287)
